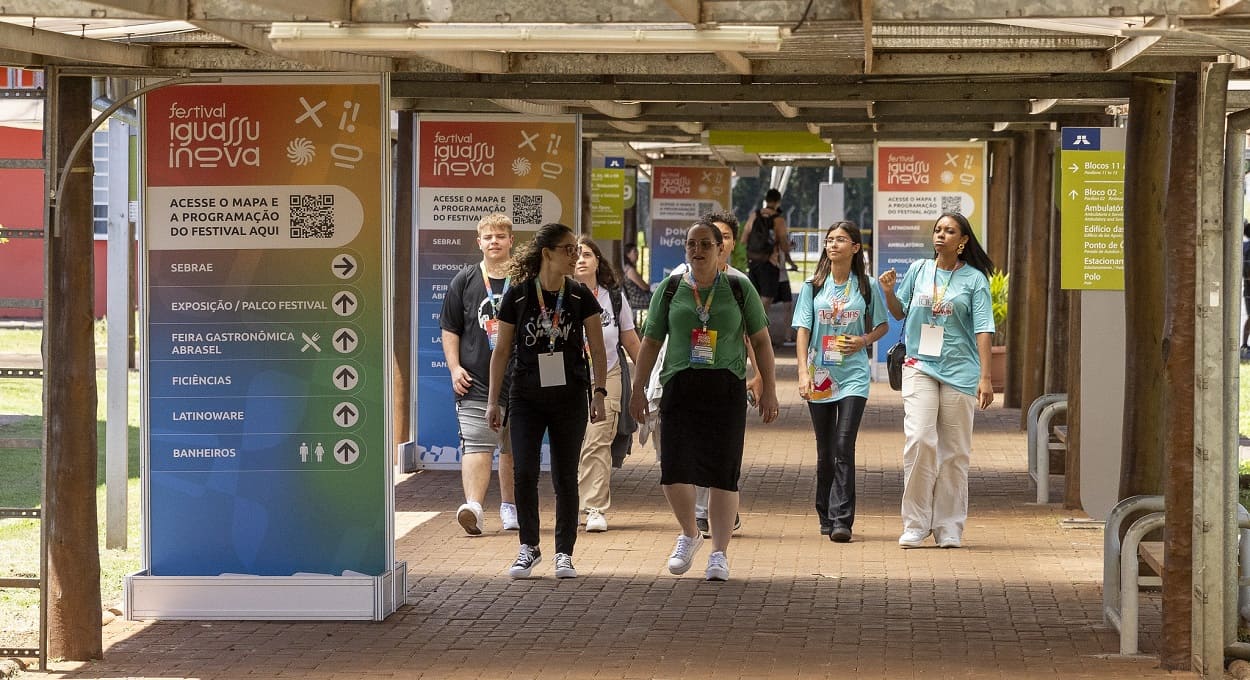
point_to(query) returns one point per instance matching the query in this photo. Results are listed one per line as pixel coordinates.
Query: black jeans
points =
(837, 426)
(562, 414)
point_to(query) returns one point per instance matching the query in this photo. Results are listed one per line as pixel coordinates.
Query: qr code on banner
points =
(527, 209)
(952, 204)
(312, 215)
(705, 207)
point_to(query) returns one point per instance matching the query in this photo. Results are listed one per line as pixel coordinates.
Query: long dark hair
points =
(528, 259)
(858, 267)
(973, 253)
(603, 271)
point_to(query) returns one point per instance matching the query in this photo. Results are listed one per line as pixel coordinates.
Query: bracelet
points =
(601, 390)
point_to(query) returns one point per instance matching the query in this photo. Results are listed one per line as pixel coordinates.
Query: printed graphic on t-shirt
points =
(536, 334)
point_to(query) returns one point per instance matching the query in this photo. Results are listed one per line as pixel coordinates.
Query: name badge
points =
(702, 346)
(930, 340)
(492, 332)
(829, 354)
(551, 369)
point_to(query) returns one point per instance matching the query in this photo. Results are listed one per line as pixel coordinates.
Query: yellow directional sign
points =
(1091, 197)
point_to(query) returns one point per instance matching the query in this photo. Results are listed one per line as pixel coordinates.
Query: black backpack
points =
(674, 282)
(762, 240)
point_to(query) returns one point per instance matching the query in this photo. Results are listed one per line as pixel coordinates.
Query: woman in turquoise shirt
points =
(948, 326)
(838, 317)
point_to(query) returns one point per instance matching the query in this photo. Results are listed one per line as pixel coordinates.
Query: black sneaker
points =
(840, 535)
(701, 524)
(737, 521)
(825, 528)
(526, 558)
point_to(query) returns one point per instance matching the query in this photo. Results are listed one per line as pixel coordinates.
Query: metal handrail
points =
(1035, 410)
(1040, 444)
(1111, 546)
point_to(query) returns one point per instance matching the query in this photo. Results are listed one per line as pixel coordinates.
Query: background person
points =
(838, 317)
(594, 472)
(548, 320)
(948, 325)
(767, 245)
(469, 330)
(704, 404)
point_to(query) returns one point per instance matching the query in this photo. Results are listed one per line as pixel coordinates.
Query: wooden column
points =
(1179, 322)
(1057, 319)
(401, 357)
(1021, 210)
(998, 212)
(1034, 283)
(69, 392)
(1145, 200)
(1072, 456)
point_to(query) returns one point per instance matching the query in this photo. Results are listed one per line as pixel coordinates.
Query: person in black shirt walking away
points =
(547, 319)
(469, 330)
(768, 246)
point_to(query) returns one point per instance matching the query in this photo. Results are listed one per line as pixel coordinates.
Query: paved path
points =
(1021, 600)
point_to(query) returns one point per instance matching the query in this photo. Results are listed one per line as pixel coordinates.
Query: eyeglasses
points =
(569, 249)
(704, 244)
(837, 239)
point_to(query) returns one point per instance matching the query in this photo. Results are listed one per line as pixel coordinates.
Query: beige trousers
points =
(594, 472)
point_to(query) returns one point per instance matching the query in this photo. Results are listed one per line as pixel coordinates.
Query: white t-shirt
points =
(611, 331)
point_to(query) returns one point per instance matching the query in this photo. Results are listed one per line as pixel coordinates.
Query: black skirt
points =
(702, 425)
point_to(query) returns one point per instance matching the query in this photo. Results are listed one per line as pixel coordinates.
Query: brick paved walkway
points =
(1021, 600)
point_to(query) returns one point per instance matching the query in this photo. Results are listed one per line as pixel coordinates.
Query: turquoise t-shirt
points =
(726, 319)
(963, 311)
(836, 377)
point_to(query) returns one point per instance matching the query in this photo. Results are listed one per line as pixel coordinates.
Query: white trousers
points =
(937, 424)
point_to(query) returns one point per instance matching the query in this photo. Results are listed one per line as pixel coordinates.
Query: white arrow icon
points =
(1072, 194)
(1074, 167)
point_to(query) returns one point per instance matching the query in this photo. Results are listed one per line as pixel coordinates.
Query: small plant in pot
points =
(998, 305)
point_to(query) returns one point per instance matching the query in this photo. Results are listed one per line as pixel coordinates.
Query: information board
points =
(267, 409)
(680, 195)
(1091, 163)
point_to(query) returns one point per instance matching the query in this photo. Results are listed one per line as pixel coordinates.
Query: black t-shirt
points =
(466, 309)
(532, 339)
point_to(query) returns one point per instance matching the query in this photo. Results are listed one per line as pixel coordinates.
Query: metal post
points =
(1214, 348)
(116, 444)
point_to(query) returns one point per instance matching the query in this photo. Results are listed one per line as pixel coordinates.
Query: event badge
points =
(930, 340)
(829, 354)
(492, 332)
(702, 346)
(823, 384)
(551, 369)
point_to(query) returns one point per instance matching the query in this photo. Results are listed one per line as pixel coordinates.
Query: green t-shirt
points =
(726, 319)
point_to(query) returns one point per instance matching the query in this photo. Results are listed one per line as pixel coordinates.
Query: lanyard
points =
(840, 298)
(938, 299)
(490, 293)
(703, 310)
(550, 323)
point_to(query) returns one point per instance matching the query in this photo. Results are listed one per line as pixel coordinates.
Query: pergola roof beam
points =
(68, 48)
(255, 38)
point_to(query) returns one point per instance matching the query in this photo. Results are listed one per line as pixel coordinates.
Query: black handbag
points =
(894, 364)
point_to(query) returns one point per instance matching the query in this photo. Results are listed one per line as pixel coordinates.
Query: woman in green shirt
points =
(703, 410)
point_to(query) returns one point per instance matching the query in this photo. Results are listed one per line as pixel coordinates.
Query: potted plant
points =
(998, 347)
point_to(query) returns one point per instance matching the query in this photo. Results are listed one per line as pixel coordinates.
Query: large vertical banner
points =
(1091, 188)
(467, 168)
(266, 249)
(680, 195)
(915, 183)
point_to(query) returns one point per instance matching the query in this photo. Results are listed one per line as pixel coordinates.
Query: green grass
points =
(20, 477)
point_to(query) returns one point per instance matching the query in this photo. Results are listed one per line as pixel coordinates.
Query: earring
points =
(960, 250)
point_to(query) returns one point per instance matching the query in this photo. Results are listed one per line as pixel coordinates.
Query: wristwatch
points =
(601, 390)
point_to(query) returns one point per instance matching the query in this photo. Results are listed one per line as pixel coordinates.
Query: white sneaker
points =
(683, 553)
(507, 517)
(950, 542)
(564, 566)
(595, 521)
(913, 538)
(526, 558)
(470, 517)
(717, 567)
